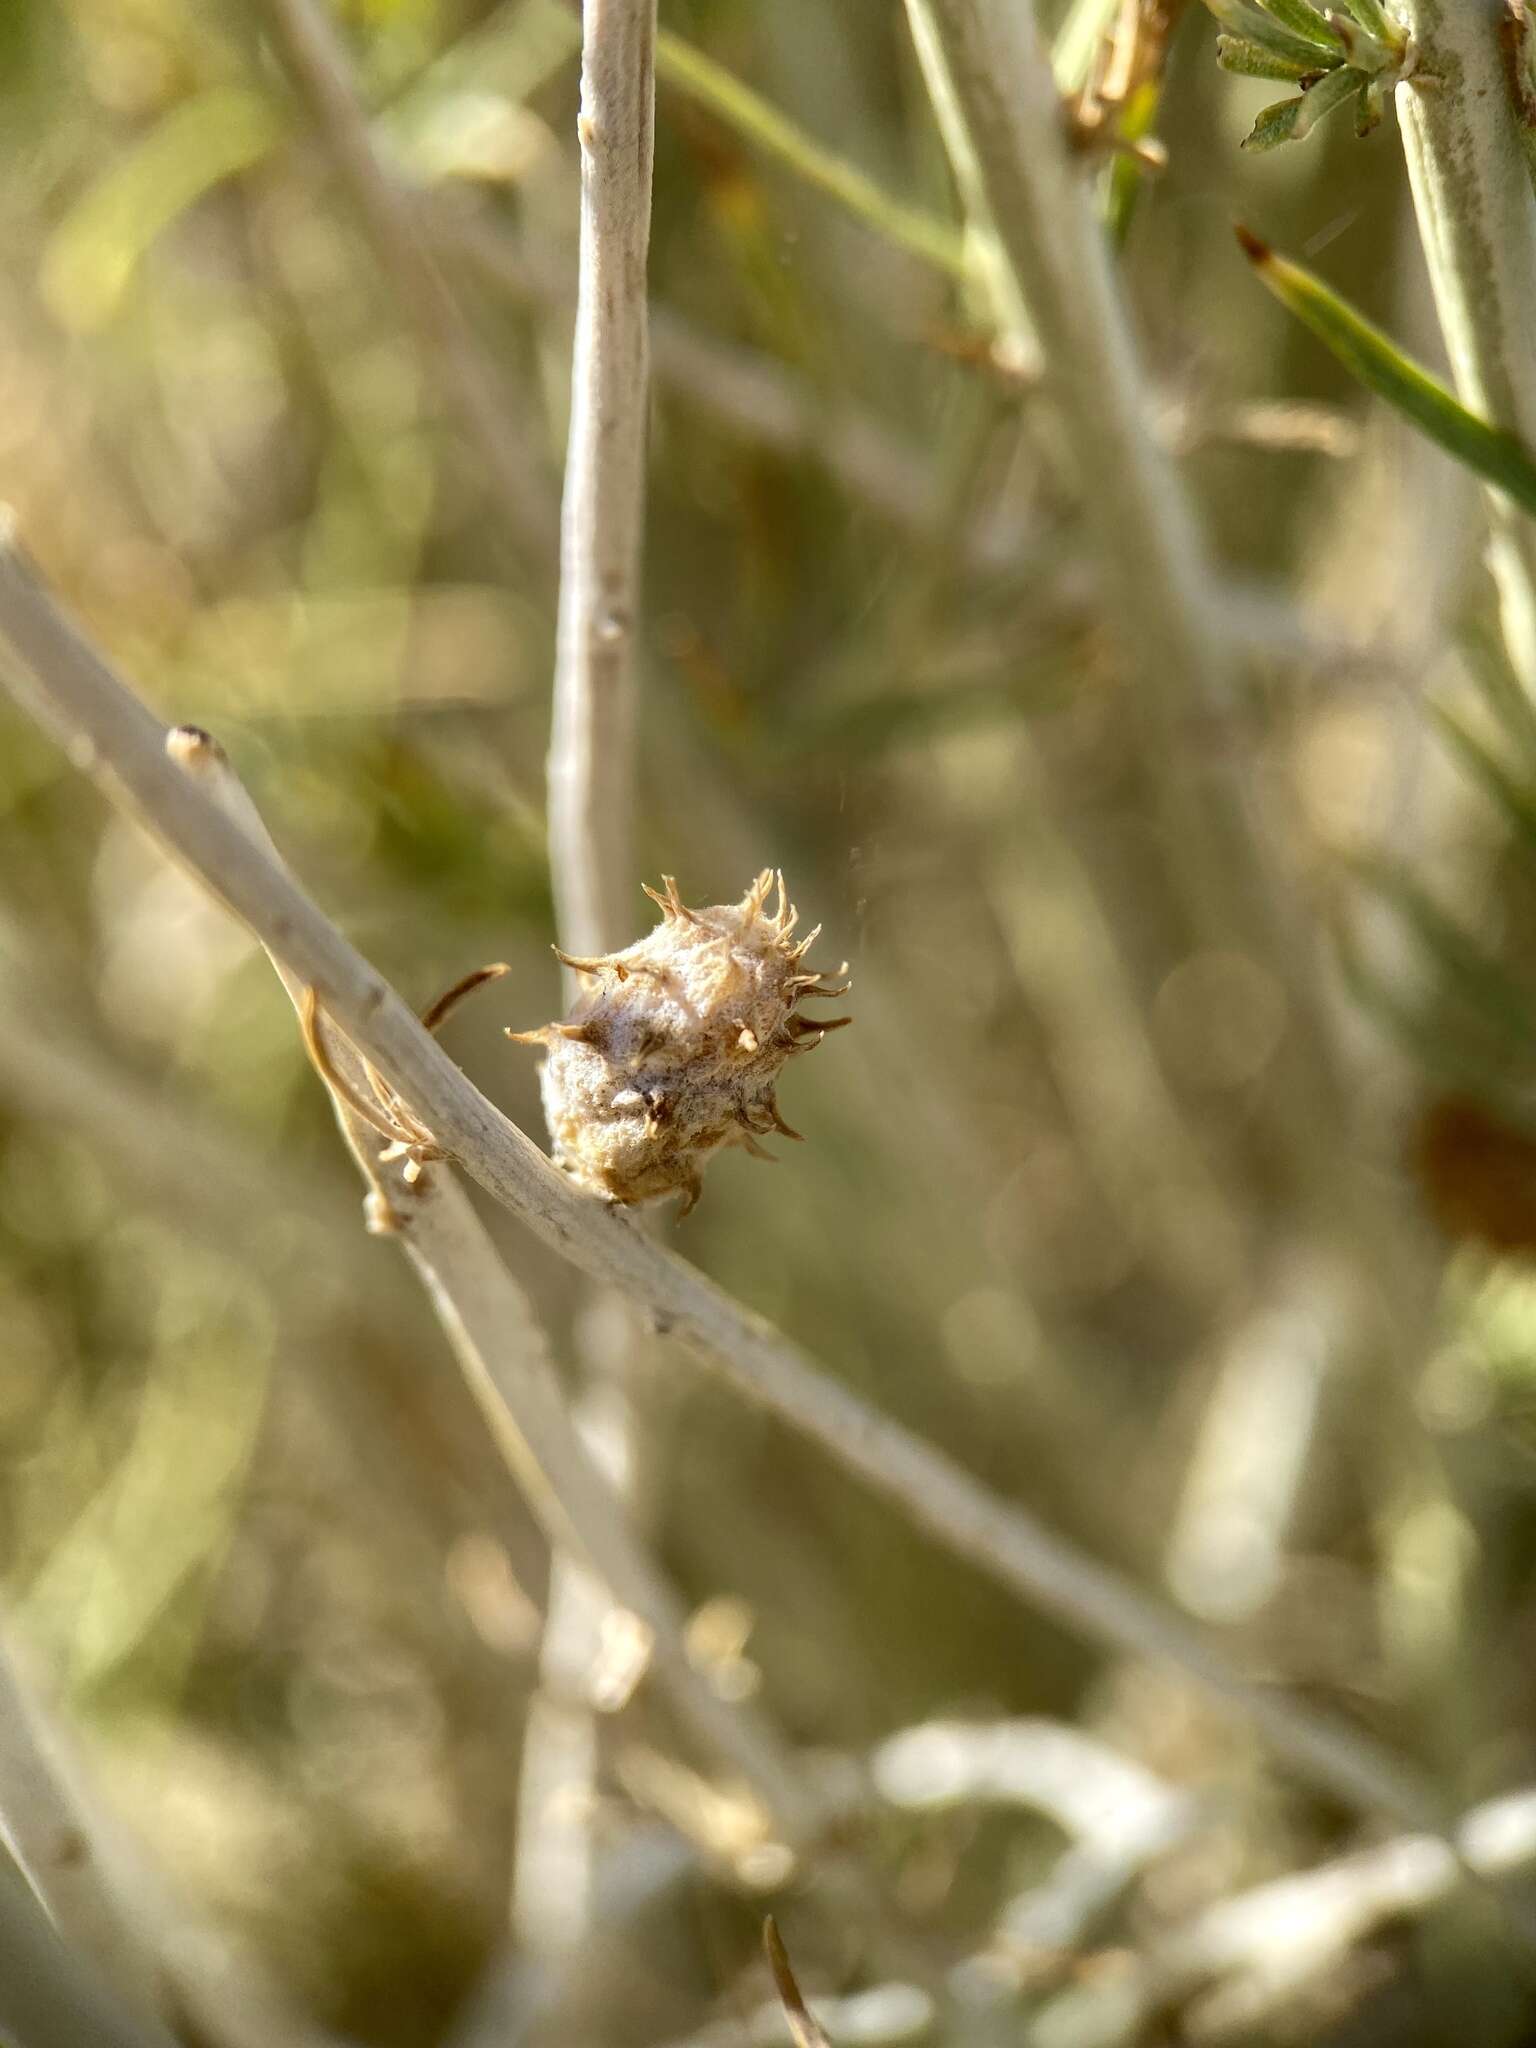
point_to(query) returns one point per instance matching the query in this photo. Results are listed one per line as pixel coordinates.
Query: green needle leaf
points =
(1376, 21)
(1493, 453)
(1246, 19)
(1305, 21)
(1253, 60)
(1291, 120)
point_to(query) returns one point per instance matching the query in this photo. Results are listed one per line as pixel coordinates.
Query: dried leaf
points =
(804, 2030)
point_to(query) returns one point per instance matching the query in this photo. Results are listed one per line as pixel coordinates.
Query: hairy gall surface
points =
(674, 1048)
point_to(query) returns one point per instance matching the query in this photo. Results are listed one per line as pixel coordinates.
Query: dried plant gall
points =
(674, 1047)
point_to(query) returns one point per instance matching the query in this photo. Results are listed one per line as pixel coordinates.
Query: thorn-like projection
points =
(803, 1027)
(784, 1130)
(438, 1013)
(804, 1034)
(752, 903)
(671, 904)
(544, 1034)
(599, 964)
(672, 1049)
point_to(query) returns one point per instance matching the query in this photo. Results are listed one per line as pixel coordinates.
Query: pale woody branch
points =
(591, 797)
(1477, 221)
(591, 801)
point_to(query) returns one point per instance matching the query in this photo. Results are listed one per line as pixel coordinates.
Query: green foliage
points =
(1334, 58)
(1293, 119)
(1491, 453)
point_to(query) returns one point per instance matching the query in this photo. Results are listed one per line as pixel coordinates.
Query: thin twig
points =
(488, 413)
(1075, 978)
(1477, 221)
(1157, 589)
(43, 1826)
(694, 74)
(996, 102)
(109, 734)
(992, 269)
(591, 799)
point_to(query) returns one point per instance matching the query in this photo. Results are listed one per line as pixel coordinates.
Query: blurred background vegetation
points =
(250, 1528)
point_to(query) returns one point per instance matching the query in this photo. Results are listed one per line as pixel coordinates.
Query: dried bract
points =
(673, 1049)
